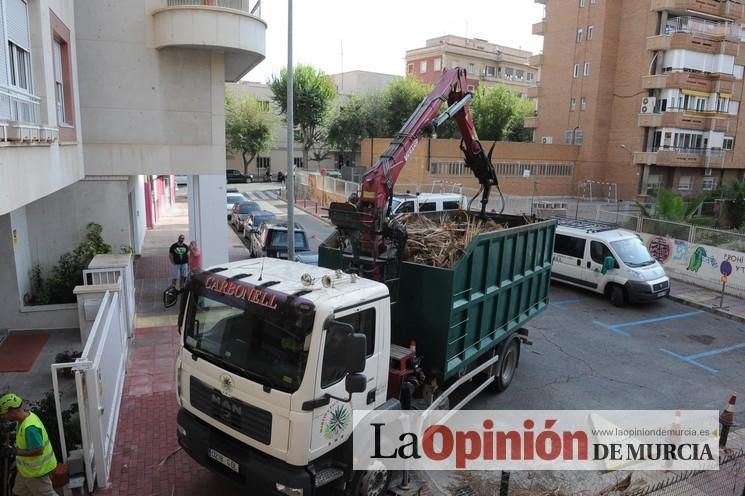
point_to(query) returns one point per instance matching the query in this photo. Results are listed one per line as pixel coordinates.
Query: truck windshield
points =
(633, 252)
(266, 348)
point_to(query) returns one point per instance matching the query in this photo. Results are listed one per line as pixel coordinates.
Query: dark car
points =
(236, 176)
(271, 241)
(241, 210)
(254, 220)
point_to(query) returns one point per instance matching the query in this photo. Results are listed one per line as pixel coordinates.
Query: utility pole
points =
(290, 141)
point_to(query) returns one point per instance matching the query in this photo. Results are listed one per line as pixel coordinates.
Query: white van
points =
(427, 202)
(607, 260)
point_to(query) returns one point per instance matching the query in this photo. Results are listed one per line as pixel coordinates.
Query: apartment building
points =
(649, 90)
(487, 63)
(100, 104)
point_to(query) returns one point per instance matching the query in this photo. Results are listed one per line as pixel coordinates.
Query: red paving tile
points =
(146, 434)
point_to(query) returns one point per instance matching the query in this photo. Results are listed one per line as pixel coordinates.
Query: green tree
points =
(313, 93)
(248, 127)
(671, 206)
(348, 126)
(735, 193)
(401, 98)
(497, 112)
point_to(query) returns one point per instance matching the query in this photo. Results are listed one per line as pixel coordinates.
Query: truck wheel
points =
(373, 482)
(506, 366)
(617, 295)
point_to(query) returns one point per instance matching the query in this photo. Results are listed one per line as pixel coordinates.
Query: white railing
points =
(687, 24)
(18, 106)
(99, 380)
(244, 5)
(113, 275)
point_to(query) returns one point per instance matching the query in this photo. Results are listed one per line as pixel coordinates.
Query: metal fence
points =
(19, 106)
(729, 480)
(243, 5)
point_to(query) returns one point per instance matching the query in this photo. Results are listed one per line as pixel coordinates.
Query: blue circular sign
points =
(725, 268)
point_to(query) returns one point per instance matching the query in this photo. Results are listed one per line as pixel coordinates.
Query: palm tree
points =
(670, 206)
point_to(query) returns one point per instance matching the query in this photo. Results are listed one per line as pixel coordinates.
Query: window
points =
(568, 137)
(583, 103)
(579, 136)
(684, 183)
(709, 184)
(579, 35)
(598, 252)
(508, 72)
(519, 75)
(729, 143)
(428, 207)
(593, 1)
(572, 104)
(471, 68)
(423, 66)
(589, 33)
(490, 70)
(575, 71)
(20, 67)
(406, 207)
(582, 3)
(263, 162)
(707, 172)
(450, 205)
(587, 69)
(409, 68)
(530, 76)
(298, 161)
(333, 369)
(59, 85)
(437, 65)
(570, 246)
(654, 182)
(363, 323)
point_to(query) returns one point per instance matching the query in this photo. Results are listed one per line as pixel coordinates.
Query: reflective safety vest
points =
(34, 466)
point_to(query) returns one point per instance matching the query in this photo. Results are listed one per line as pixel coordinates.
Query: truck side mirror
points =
(355, 383)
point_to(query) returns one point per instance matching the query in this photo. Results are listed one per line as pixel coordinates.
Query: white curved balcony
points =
(229, 26)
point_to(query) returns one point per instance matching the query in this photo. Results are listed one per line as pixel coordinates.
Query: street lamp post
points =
(290, 141)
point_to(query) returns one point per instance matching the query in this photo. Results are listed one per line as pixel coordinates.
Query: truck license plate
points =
(215, 455)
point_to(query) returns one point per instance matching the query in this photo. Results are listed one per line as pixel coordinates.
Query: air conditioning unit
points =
(547, 140)
(648, 103)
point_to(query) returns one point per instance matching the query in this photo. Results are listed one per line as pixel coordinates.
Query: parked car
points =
(240, 212)
(231, 200)
(427, 202)
(255, 219)
(236, 176)
(607, 260)
(271, 241)
(307, 257)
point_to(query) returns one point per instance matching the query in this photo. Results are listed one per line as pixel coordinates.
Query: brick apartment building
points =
(650, 90)
(487, 63)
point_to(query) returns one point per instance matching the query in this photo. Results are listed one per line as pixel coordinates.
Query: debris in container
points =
(441, 241)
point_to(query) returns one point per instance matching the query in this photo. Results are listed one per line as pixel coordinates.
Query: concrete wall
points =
(57, 222)
(416, 169)
(136, 189)
(206, 206)
(21, 250)
(146, 111)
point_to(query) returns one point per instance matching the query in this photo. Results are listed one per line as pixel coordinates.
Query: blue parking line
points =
(617, 327)
(692, 358)
(562, 303)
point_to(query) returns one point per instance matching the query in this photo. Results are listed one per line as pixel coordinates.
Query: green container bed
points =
(456, 315)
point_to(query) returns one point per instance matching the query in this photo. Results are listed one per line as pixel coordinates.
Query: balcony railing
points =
(702, 152)
(244, 5)
(687, 24)
(19, 106)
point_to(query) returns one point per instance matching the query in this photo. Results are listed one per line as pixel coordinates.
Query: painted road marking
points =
(617, 327)
(562, 303)
(692, 358)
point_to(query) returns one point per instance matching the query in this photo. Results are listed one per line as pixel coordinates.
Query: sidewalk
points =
(708, 300)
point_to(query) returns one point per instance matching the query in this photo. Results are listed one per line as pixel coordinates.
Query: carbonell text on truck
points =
(276, 356)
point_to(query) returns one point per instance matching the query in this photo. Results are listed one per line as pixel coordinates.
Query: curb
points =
(707, 308)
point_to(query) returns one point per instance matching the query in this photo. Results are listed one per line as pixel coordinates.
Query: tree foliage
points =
(401, 98)
(248, 127)
(735, 193)
(673, 207)
(498, 113)
(313, 94)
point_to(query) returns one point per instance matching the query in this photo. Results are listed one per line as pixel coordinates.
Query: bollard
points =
(727, 420)
(504, 484)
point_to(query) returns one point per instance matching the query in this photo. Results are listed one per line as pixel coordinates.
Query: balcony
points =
(536, 60)
(723, 8)
(688, 119)
(534, 91)
(539, 28)
(682, 157)
(530, 122)
(707, 83)
(693, 42)
(232, 27)
(20, 120)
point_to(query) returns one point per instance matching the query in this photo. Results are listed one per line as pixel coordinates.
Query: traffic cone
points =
(727, 420)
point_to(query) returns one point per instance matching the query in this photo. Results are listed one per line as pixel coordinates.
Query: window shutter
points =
(17, 19)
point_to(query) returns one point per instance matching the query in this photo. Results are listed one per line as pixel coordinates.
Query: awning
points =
(696, 93)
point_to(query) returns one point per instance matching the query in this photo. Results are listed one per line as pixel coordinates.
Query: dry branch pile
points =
(441, 241)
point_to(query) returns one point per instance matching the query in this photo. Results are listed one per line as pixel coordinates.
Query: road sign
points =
(725, 268)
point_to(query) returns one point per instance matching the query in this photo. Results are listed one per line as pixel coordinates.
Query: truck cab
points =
(261, 372)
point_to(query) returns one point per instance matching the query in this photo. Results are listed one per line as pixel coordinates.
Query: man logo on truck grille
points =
(335, 421)
(226, 383)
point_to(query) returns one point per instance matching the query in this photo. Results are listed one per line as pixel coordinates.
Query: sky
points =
(346, 35)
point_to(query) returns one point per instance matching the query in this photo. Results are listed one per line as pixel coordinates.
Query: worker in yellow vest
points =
(35, 458)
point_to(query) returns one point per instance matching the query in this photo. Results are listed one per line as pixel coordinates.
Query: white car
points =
(607, 260)
(427, 202)
(232, 199)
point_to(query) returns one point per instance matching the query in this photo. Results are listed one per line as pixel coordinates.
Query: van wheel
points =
(372, 482)
(617, 295)
(506, 366)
